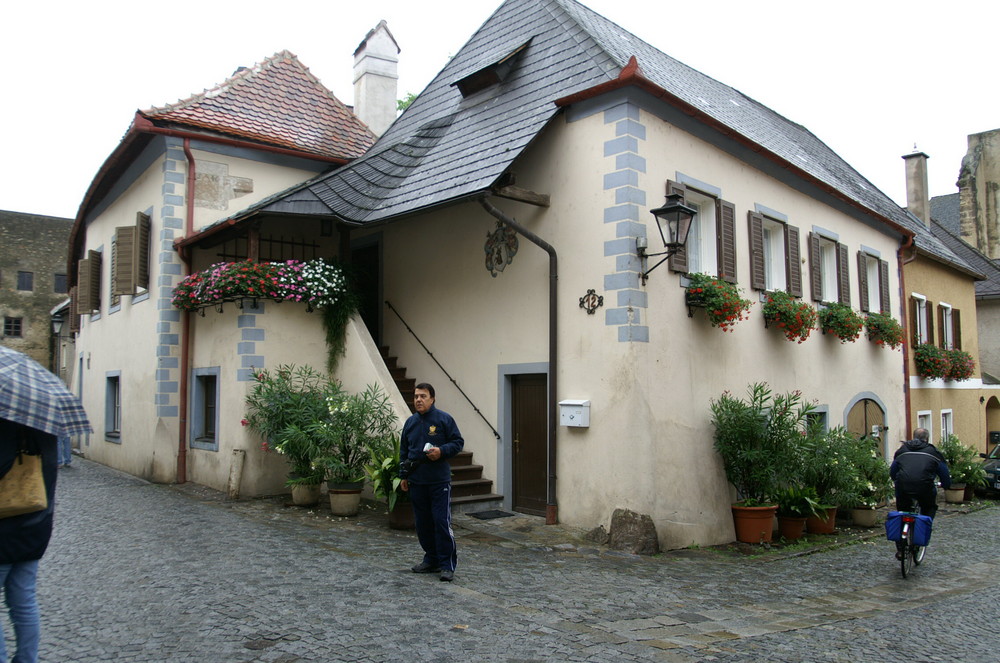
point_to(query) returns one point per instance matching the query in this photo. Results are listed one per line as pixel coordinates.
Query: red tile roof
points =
(276, 102)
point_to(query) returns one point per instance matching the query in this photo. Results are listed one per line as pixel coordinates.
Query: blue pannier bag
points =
(921, 528)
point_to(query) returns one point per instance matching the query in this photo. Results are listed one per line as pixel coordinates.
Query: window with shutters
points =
(774, 255)
(924, 420)
(130, 259)
(920, 320)
(873, 283)
(114, 299)
(711, 242)
(141, 252)
(947, 424)
(949, 327)
(829, 279)
(26, 281)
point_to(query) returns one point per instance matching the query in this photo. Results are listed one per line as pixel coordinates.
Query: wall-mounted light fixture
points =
(674, 222)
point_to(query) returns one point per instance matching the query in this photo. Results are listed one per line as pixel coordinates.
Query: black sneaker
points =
(424, 567)
(447, 576)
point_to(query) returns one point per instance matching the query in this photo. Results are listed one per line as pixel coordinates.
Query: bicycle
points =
(913, 554)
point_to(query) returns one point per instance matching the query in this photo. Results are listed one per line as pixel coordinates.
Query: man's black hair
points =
(427, 387)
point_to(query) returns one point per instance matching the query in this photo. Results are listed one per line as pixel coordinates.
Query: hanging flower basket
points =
(796, 319)
(961, 365)
(882, 329)
(841, 321)
(932, 361)
(721, 300)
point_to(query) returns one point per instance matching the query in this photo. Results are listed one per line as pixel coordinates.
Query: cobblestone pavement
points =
(143, 572)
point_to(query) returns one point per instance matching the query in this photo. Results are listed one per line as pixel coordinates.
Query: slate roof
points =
(276, 102)
(989, 288)
(945, 210)
(444, 148)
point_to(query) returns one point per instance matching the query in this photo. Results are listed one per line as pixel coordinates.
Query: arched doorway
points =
(866, 418)
(992, 423)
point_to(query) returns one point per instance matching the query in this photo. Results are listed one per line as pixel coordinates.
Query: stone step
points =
(472, 503)
(471, 487)
(466, 472)
(460, 459)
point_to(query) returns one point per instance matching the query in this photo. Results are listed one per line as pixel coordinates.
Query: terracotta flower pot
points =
(791, 527)
(401, 516)
(754, 524)
(815, 525)
(955, 494)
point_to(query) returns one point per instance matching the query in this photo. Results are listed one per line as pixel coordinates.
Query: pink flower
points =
(243, 422)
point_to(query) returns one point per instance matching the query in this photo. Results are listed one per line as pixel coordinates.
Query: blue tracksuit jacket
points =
(439, 429)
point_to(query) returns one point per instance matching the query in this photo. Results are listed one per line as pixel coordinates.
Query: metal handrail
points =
(431, 355)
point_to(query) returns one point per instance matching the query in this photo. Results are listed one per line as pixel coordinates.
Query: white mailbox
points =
(574, 413)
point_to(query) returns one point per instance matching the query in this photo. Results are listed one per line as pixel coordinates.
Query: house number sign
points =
(591, 301)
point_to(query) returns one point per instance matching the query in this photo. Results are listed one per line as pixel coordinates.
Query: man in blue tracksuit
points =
(430, 437)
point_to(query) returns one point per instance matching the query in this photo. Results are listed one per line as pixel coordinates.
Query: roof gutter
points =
(551, 506)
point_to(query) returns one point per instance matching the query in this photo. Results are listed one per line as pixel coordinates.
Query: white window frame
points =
(828, 270)
(921, 320)
(702, 242)
(947, 330)
(925, 420)
(775, 268)
(947, 424)
(874, 275)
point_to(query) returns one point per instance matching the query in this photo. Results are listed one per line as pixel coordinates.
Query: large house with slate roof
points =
(498, 220)
(179, 168)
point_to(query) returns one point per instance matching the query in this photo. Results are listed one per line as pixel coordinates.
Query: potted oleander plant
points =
(825, 465)
(757, 438)
(870, 484)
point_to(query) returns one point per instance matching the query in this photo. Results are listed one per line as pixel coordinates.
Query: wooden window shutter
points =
(725, 215)
(815, 268)
(843, 275)
(942, 332)
(140, 263)
(94, 261)
(758, 279)
(793, 261)
(956, 328)
(863, 282)
(914, 321)
(124, 255)
(83, 286)
(679, 261)
(929, 315)
(883, 286)
(74, 312)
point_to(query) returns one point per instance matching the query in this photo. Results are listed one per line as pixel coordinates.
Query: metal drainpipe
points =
(551, 507)
(909, 244)
(185, 322)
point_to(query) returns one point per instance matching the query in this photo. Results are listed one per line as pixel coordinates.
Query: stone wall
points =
(35, 244)
(979, 193)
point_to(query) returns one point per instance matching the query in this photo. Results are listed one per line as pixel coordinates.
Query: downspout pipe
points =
(903, 260)
(551, 506)
(185, 256)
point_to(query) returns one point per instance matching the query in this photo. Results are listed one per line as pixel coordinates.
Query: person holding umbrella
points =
(35, 408)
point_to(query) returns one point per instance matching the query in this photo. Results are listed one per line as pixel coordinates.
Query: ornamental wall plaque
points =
(591, 301)
(500, 248)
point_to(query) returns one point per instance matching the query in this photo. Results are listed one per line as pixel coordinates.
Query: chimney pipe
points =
(918, 199)
(375, 63)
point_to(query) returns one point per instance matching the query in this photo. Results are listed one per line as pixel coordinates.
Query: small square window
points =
(26, 281)
(12, 327)
(59, 284)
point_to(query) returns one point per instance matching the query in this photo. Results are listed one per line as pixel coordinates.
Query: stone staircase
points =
(469, 490)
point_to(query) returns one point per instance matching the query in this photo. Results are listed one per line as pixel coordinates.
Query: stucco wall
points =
(648, 370)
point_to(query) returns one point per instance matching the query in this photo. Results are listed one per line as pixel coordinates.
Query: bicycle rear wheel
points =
(918, 554)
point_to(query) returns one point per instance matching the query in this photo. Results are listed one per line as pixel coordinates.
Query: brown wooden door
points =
(865, 414)
(528, 421)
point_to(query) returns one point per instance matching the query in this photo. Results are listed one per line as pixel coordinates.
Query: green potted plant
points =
(825, 465)
(723, 305)
(757, 439)
(358, 428)
(280, 403)
(964, 467)
(384, 475)
(870, 484)
(795, 504)
(883, 330)
(795, 318)
(842, 321)
(961, 365)
(932, 361)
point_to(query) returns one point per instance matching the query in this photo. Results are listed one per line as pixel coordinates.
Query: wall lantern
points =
(674, 221)
(57, 325)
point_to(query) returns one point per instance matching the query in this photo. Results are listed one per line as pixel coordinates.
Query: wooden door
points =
(866, 414)
(530, 457)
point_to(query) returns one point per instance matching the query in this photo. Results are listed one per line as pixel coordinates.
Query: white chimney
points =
(918, 199)
(375, 63)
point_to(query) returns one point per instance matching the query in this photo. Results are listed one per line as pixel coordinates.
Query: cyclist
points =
(913, 470)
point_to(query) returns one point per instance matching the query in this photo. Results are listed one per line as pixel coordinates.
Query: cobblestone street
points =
(143, 572)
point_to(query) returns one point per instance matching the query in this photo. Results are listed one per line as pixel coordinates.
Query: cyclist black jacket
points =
(915, 465)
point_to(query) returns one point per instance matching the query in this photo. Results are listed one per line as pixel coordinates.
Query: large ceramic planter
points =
(305, 494)
(791, 527)
(401, 516)
(822, 525)
(754, 524)
(955, 494)
(864, 517)
(345, 498)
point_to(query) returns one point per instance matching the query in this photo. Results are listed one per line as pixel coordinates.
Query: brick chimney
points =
(375, 63)
(918, 200)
